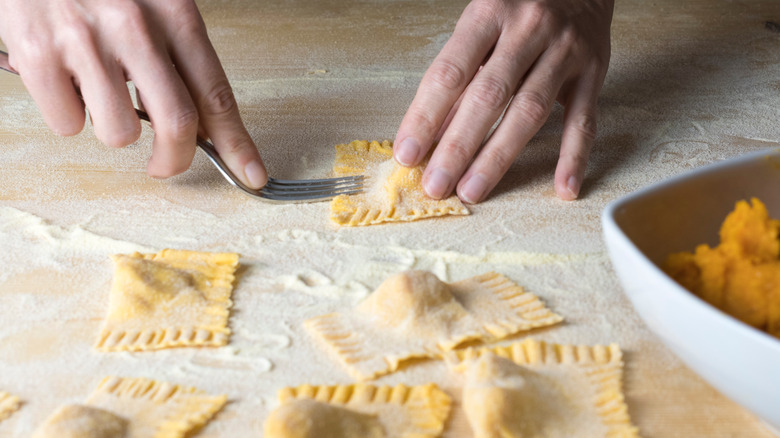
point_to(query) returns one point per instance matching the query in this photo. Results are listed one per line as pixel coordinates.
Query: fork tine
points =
(312, 191)
(316, 182)
(299, 196)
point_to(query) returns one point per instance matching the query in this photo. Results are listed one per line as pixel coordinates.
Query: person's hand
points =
(518, 55)
(67, 50)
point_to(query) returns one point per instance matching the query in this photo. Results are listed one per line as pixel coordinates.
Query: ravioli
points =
(413, 314)
(535, 389)
(156, 409)
(8, 405)
(497, 398)
(359, 411)
(79, 421)
(305, 418)
(392, 192)
(170, 299)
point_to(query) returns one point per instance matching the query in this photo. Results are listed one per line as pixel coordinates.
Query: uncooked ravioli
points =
(170, 299)
(414, 314)
(392, 192)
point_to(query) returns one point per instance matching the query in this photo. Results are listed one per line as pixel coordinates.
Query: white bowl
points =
(644, 227)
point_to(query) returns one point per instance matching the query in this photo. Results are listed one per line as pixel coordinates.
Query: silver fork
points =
(276, 190)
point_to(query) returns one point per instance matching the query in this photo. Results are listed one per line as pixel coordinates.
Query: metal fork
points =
(276, 190)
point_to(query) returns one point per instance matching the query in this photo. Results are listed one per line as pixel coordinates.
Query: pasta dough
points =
(156, 409)
(536, 389)
(414, 314)
(379, 411)
(307, 418)
(169, 299)
(392, 192)
(79, 421)
(8, 405)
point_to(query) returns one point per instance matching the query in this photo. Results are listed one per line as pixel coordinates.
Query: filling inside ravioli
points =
(503, 399)
(79, 421)
(415, 300)
(306, 418)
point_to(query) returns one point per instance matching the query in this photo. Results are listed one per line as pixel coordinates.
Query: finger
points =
(451, 114)
(523, 118)
(140, 105)
(167, 101)
(448, 119)
(579, 134)
(443, 84)
(105, 94)
(139, 99)
(51, 87)
(484, 101)
(206, 80)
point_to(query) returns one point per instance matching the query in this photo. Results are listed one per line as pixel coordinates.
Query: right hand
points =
(73, 49)
(529, 52)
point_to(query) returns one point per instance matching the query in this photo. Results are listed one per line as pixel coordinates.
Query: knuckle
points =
(238, 146)
(219, 101)
(578, 157)
(448, 75)
(500, 158)
(127, 16)
(586, 126)
(491, 93)
(183, 124)
(570, 40)
(484, 11)
(422, 121)
(537, 13)
(77, 33)
(36, 55)
(189, 21)
(456, 151)
(532, 106)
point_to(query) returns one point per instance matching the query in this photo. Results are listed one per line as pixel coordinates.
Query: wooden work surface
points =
(690, 82)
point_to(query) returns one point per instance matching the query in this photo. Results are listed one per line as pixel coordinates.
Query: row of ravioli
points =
(179, 299)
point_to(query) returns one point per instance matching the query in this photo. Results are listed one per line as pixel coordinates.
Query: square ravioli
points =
(8, 405)
(170, 299)
(359, 411)
(156, 409)
(535, 389)
(392, 192)
(414, 315)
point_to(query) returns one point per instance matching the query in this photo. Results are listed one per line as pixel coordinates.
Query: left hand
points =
(532, 52)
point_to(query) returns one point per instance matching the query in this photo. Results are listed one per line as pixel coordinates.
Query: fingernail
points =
(438, 183)
(573, 185)
(255, 174)
(474, 189)
(406, 152)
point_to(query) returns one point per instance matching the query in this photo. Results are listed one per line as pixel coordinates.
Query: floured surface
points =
(309, 76)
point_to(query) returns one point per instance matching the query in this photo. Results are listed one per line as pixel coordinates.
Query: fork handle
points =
(5, 65)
